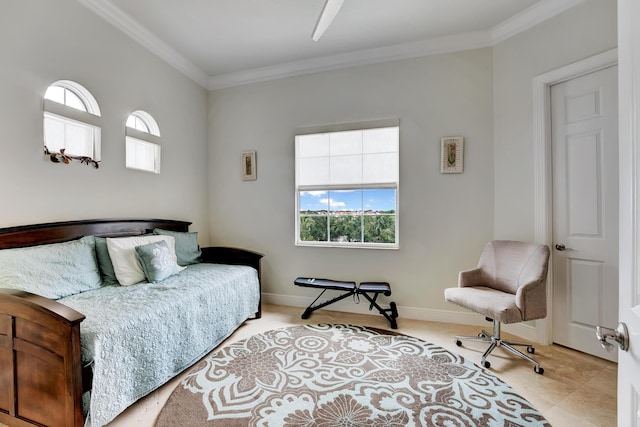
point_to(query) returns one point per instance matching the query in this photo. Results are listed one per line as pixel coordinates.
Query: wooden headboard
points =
(56, 232)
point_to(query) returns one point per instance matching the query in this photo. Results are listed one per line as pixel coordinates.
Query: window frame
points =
(149, 137)
(298, 190)
(68, 115)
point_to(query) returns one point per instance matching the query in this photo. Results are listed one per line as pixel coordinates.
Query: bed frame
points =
(41, 374)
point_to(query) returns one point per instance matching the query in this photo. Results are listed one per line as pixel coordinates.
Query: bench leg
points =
(391, 314)
(313, 308)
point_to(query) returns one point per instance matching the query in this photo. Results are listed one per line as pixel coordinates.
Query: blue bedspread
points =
(138, 337)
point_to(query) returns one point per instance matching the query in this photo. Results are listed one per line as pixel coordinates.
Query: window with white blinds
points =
(71, 120)
(142, 142)
(142, 155)
(347, 187)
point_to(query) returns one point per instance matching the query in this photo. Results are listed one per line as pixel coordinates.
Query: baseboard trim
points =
(521, 330)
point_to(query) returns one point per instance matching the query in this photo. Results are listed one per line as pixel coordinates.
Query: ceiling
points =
(220, 43)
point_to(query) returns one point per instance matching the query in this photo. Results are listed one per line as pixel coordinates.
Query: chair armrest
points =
(531, 299)
(471, 277)
(531, 296)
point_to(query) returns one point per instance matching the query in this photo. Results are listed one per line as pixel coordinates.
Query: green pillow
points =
(53, 271)
(187, 249)
(156, 261)
(107, 272)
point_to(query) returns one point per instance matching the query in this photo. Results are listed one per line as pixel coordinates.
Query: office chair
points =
(507, 286)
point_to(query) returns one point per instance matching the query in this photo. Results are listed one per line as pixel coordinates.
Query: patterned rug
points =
(342, 375)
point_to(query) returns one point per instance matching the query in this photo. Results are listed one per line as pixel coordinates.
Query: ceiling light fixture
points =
(329, 11)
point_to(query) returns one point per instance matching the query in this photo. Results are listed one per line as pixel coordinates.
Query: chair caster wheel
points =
(486, 364)
(482, 335)
(538, 370)
(531, 350)
(458, 343)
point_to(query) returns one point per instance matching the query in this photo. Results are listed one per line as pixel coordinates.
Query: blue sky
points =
(377, 200)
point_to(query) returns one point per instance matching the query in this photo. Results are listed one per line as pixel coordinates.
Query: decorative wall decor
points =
(452, 151)
(66, 158)
(249, 166)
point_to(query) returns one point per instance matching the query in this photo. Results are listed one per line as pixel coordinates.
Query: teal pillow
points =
(107, 272)
(156, 261)
(53, 271)
(187, 249)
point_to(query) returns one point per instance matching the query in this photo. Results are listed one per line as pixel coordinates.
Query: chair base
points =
(495, 341)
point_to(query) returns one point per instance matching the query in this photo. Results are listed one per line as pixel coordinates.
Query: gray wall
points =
(483, 95)
(42, 41)
(583, 31)
(444, 219)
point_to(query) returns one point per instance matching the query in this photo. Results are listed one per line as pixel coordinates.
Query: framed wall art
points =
(452, 151)
(249, 166)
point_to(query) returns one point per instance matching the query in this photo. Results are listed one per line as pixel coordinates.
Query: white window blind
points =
(348, 159)
(71, 120)
(77, 138)
(142, 155)
(347, 180)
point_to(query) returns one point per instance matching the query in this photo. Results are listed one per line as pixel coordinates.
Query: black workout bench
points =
(367, 289)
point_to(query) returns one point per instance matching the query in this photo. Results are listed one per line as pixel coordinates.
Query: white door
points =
(629, 287)
(584, 139)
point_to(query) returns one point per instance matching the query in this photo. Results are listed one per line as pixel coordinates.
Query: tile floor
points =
(575, 390)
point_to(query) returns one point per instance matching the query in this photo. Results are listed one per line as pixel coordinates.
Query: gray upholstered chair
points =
(507, 286)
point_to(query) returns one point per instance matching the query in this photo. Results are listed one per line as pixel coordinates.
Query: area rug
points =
(342, 375)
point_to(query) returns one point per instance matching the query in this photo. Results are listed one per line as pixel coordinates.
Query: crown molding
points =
(420, 48)
(524, 20)
(114, 15)
(530, 17)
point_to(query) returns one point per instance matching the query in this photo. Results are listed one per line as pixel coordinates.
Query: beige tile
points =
(591, 405)
(575, 390)
(606, 381)
(558, 417)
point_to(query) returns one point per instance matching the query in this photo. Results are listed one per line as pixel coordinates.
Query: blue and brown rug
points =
(342, 375)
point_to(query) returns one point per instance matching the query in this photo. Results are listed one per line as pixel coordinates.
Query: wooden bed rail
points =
(41, 361)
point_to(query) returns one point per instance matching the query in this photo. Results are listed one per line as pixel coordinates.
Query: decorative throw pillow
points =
(187, 249)
(156, 261)
(123, 256)
(104, 262)
(53, 271)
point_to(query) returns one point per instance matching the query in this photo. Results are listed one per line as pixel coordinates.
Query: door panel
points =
(629, 308)
(585, 208)
(584, 193)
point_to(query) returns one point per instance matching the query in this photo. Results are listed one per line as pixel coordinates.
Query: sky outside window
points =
(348, 200)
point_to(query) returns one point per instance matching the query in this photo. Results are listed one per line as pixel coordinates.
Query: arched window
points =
(142, 142)
(71, 121)
(144, 122)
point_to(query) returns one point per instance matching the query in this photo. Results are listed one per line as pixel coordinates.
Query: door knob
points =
(560, 247)
(619, 334)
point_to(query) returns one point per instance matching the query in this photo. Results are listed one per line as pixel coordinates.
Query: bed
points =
(55, 354)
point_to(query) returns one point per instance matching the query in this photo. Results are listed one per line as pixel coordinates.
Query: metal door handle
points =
(619, 334)
(561, 247)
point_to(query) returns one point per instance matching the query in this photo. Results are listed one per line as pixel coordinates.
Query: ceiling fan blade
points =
(329, 11)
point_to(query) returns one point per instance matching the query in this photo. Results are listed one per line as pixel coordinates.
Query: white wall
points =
(583, 31)
(483, 95)
(42, 41)
(444, 219)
